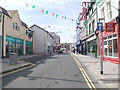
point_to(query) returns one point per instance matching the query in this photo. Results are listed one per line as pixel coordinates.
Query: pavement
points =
(109, 78)
(6, 67)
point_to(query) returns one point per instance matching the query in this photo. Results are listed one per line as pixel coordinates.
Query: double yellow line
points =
(8, 73)
(86, 77)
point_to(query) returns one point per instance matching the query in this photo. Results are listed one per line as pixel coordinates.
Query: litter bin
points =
(13, 58)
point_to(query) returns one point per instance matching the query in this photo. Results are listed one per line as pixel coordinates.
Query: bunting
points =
(53, 14)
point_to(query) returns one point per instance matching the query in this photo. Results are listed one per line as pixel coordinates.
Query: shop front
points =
(14, 45)
(83, 47)
(0, 46)
(92, 46)
(29, 48)
(110, 43)
(78, 46)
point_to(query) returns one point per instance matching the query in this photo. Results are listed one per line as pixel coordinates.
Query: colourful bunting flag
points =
(72, 20)
(56, 15)
(99, 1)
(33, 6)
(27, 5)
(42, 10)
(65, 18)
(46, 12)
(53, 14)
(62, 17)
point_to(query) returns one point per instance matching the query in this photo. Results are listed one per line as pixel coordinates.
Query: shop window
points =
(114, 35)
(111, 46)
(115, 47)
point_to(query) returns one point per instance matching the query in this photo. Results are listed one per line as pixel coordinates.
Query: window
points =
(111, 45)
(109, 10)
(115, 47)
(16, 26)
(89, 28)
(93, 25)
(105, 45)
(13, 25)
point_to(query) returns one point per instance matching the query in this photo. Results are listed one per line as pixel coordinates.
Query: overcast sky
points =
(29, 15)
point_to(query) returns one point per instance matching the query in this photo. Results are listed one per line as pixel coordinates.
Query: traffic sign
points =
(99, 26)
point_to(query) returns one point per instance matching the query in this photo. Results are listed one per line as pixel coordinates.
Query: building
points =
(110, 35)
(65, 46)
(56, 41)
(106, 13)
(43, 41)
(92, 19)
(14, 35)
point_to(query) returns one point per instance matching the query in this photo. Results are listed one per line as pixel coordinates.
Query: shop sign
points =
(28, 43)
(10, 39)
(19, 40)
(110, 27)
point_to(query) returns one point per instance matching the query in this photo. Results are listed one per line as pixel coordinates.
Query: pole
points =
(101, 61)
(3, 37)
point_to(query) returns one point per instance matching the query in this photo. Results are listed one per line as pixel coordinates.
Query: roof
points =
(42, 29)
(5, 11)
(24, 24)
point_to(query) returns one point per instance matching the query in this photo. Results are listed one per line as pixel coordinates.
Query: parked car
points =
(60, 51)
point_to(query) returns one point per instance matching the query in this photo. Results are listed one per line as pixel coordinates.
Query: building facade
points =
(56, 41)
(13, 34)
(43, 41)
(105, 12)
(110, 35)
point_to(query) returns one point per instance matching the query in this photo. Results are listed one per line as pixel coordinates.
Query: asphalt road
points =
(58, 71)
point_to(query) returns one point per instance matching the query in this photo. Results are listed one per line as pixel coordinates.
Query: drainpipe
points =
(119, 28)
(3, 36)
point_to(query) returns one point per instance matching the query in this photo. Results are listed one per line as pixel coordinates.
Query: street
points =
(57, 71)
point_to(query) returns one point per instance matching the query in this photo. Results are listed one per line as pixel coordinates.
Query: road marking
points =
(86, 77)
(32, 65)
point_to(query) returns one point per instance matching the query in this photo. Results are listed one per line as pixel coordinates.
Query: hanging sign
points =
(110, 27)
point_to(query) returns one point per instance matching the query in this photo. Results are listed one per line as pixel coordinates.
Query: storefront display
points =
(29, 49)
(14, 45)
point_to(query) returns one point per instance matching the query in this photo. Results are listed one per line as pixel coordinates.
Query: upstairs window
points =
(109, 10)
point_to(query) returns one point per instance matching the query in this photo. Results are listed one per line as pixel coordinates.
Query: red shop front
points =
(110, 42)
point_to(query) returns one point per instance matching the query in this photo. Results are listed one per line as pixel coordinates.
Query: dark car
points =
(60, 51)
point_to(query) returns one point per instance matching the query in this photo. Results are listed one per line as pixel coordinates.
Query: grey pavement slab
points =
(5, 66)
(109, 79)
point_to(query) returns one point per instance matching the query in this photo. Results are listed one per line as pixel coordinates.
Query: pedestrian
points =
(74, 50)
